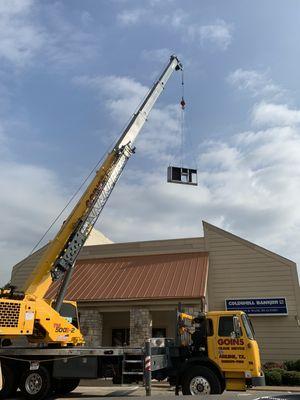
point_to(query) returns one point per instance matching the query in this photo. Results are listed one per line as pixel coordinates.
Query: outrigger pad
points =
(185, 176)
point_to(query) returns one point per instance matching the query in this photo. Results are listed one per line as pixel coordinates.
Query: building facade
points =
(128, 292)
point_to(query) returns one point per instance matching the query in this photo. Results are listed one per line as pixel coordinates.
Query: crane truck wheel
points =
(200, 380)
(8, 382)
(36, 384)
(65, 386)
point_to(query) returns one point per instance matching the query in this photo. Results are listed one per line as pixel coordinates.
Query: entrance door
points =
(120, 337)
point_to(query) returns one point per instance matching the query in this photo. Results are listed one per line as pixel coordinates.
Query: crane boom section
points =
(40, 280)
(62, 251)
(139, 118)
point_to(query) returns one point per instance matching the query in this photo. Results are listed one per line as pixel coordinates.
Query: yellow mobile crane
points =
(223, 354)
(29, 314)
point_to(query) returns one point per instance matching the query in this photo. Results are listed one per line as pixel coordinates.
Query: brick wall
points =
(140, 326)
(91, 325)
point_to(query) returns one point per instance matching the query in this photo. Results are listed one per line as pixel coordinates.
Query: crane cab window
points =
(209, 327)
(69, 312)
(225, 326)
(185, 176)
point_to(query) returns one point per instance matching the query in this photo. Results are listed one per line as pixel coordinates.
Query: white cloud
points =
(157, 55)
(177, 19)
(30, 198)
(132, 16)
(250, 185)
(122, 95)
(23, 39)
(218, 34)
(68, 44)
(20, 36)
(270, 114)
(86, 18)
(257, 83)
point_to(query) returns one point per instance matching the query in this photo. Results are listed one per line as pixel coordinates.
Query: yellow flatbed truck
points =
(228, 358)
(55, 357)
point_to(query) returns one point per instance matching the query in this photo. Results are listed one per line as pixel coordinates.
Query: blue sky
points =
(72, 73)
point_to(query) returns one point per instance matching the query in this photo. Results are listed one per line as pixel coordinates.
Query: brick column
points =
(91, 325)
(140, 326)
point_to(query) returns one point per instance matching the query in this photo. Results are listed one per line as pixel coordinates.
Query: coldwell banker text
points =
(258, 306)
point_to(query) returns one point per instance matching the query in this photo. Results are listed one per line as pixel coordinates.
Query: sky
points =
(73, 72)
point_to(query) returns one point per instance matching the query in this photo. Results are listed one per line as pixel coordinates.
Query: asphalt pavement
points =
(165, 392)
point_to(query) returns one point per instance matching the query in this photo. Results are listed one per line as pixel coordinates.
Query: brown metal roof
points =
(167, 276)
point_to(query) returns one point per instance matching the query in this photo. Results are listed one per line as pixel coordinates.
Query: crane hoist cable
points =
(182, 119)
(181, 174)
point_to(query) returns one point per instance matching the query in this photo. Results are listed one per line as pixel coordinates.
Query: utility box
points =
(185, 176)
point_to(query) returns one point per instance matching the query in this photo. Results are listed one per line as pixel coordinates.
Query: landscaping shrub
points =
(291, 378)
(290, 365)
(280, 370)
(277, 374)
(273, 378)
(271, 365)
(297, 366)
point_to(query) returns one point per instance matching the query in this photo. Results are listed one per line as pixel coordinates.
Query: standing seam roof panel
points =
(163, 276)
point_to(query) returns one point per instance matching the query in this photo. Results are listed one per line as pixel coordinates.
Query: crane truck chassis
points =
(225, 356)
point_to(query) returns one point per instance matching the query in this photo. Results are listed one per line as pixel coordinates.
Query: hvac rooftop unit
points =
(186, 176)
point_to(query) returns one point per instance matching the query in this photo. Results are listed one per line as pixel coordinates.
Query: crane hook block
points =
(186, 176)
(182, 103)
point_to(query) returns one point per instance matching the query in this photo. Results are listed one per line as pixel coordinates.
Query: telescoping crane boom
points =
(29, 313)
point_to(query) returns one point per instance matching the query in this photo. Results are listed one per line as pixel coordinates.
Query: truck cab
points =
(222, 353)
(232, 346)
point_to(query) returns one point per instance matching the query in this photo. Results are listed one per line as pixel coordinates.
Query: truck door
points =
(230, 348)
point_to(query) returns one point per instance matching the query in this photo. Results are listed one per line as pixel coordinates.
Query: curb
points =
(292, 389)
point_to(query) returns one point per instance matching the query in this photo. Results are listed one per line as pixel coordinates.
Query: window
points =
(120, 337)
(159, 332)
(69, 312)
(248, 326)
(209, 327)
(225, 326)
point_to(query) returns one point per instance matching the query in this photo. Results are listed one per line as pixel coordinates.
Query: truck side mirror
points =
(237, 327)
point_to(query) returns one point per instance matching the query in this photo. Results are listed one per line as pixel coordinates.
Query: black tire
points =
(65, 386)
(202, 379)
(36, 384)
(9, 383)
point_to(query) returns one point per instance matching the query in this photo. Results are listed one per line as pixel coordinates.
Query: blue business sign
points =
(259, 306)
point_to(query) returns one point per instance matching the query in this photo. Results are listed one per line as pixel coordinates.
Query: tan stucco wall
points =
(240, 269)
(151, 247)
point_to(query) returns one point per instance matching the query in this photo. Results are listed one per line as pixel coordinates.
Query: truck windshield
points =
(248, 326)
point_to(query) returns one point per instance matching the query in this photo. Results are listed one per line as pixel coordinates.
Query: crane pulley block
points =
(186, 176)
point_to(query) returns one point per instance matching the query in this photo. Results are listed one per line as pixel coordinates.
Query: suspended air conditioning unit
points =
(186, 176)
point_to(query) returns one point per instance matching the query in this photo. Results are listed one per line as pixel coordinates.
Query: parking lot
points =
(163, 390)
